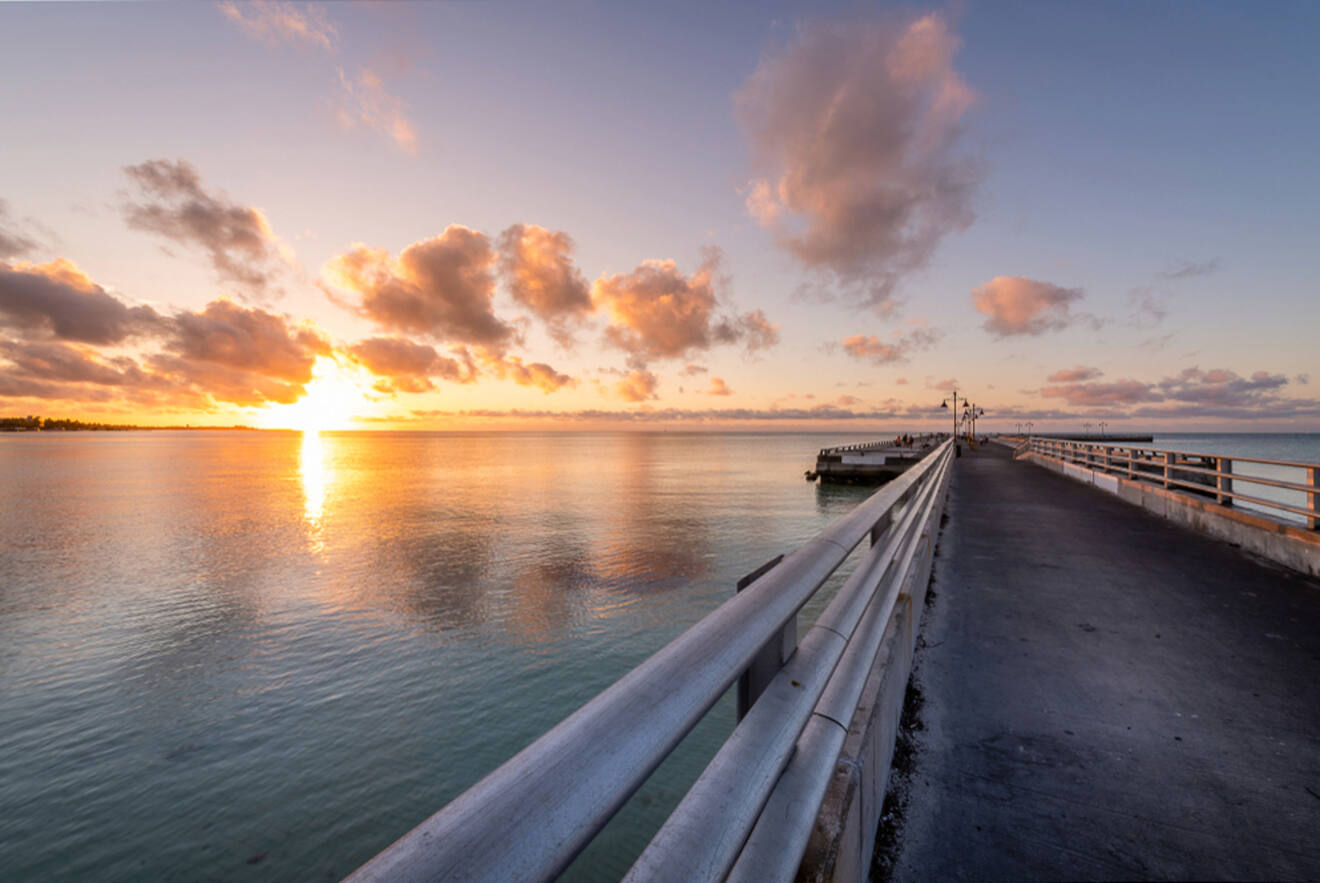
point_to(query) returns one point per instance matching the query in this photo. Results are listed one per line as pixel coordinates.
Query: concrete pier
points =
(870, 462)
(1108, 695)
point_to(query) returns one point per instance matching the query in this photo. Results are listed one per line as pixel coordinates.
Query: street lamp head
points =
(944, 404)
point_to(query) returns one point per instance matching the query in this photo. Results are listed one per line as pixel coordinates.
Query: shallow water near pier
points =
(240, 655)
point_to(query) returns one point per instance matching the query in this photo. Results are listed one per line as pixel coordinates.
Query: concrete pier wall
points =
(843, 838)
(1290, 545)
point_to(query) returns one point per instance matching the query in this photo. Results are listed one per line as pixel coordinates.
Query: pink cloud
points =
(364, 101)
(537, 265)
(1117, 393)
(1220, 386)
(856, 128)
(1075, 375)
(274, 22)
(904, 344)
(1018, 305)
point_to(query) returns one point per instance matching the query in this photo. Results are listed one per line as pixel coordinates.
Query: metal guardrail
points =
(917, 442)
(1209, 475)
(529, 818)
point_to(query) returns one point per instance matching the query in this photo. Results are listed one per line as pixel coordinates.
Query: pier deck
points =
(1108, 695)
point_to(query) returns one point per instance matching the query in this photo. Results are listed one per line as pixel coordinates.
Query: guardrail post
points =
(1109, 452)
(1224, 481)
(773, 653)
(1313, 497)
(1169, 459)
(878, 529)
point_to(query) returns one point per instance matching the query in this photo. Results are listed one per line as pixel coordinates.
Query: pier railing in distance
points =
(750, 814)
(1208, 475)
(918, 441)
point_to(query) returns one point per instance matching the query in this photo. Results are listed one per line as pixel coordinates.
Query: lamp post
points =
(1103, 424)
(945, 404)
(1086, 429)
(1029, 425)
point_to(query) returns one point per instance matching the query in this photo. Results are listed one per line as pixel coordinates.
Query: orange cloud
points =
(38, 364)
(657, 312)
(249, 338)
(638, 386)
(718, 387)
(1018, 305)
(535, 374)
(223, 353)
(856, 127)
(440, 288)
(243, 355)
(405, 366)
(59, 300)
(538, 267)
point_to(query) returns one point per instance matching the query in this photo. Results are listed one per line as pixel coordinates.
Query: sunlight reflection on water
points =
(221, 645)
(312, 471)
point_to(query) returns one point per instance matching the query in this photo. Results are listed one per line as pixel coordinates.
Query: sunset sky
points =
(566, 215)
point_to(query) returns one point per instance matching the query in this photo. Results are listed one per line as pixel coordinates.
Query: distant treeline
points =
(33, 423)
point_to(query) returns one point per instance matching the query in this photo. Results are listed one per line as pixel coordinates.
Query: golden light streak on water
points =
(315, 477)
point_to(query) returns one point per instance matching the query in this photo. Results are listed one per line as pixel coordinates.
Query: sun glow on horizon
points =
(336, 394)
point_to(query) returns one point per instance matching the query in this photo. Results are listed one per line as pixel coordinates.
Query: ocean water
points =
(235, 655)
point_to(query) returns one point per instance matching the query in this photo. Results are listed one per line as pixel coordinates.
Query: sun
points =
(333, 398)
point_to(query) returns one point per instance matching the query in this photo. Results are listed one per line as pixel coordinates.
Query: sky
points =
(707, 216)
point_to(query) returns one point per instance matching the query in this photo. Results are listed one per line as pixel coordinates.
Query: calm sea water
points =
(244, 655)
(238, 655)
